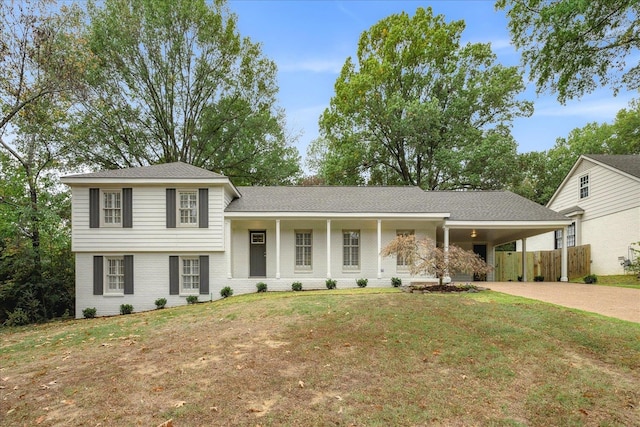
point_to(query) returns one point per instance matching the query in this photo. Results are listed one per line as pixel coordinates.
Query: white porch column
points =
(446, 278)
(564, 269)
(227, 247)
(328, 249)
(277, 248)
(524, 260)
(379, 249)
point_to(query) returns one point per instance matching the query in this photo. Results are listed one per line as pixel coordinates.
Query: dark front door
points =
(482, 251)
(257, 253)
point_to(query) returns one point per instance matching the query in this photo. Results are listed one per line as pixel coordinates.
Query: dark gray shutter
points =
(204, 275)
(94, 208)
(127, 207)
(203, 207)
(171, 208)
(128, 274)
(98, 264)
(174, 275)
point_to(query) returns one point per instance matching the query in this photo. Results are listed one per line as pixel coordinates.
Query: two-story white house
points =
(174, 230)
(601, 196)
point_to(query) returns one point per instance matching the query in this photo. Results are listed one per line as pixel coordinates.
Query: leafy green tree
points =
(174, 81)
(40, 55)
(573, 46)
(419, 108)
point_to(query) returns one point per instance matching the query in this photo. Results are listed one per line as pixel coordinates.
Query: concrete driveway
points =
(621, 303)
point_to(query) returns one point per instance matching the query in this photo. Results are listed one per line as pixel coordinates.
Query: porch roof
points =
(458, 205)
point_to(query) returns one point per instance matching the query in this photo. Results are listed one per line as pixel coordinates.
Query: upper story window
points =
(114, 275)
(303, 249)
(584, 186)
(351, 249)
(111, 208)
(188, 208)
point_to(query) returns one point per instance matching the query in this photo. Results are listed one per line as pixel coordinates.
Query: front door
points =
(257, 253)
(482, 251)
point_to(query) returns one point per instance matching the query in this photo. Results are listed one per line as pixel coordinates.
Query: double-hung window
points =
(303, 249)
(190, 275)
(112, 208)
(403, 262)
(584, 186)
(114, 275)
(571, 237)
(188, 208)
(351, 249)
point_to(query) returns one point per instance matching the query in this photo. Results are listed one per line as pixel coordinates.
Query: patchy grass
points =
(621, 280)
(349, 357)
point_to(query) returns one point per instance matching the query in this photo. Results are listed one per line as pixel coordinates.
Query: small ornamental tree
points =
(424, 256)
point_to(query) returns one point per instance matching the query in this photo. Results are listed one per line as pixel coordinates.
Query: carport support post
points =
(379, 249)
(328, 249)
(447, 278)
(564, 269)
(277, 248)
(524, 260)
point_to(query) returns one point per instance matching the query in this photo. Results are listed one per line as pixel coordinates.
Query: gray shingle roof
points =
(462, 205)
(628, 163)
(329, 199)
(177, 170)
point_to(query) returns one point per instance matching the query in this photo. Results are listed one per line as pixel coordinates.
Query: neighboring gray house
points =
(175, 230)
(601, 196)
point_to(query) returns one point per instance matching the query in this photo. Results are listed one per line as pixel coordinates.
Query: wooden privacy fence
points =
(543, 263)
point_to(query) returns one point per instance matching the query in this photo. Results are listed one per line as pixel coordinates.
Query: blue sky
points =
(310, 40)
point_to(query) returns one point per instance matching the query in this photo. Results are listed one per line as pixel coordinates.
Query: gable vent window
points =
(584, 186)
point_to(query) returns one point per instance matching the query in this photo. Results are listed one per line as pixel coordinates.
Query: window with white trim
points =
(112, 208)
(188, 208)
(351, 249)
(402, 262)
(114, 275)
(303, 249)
(584, 186)
(571, 237)
(189, 275)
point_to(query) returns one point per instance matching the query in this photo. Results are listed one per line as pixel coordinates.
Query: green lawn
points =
(357, 357)
(622, 280)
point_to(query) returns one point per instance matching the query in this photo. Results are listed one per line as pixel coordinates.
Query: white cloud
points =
(319, 65)
(600, 109)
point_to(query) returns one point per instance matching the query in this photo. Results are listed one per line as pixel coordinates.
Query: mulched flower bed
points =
(435, 288)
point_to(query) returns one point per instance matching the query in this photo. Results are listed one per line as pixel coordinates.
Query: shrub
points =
(296, 286)
(261, 287)
(89, 312)
(17, 317)
(396, 282)
(538, 278)
(161, 302)
(331, 284)
(591, 278)
(519, 278)
(362, 283)
(192, 299)
(226, 292)
(126, 309)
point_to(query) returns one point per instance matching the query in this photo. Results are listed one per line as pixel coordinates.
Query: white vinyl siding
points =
(304, 249)
(351, 249)
(189, 275)
(111, 208)
(149, 232)
(114, 276)
(187, 208)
